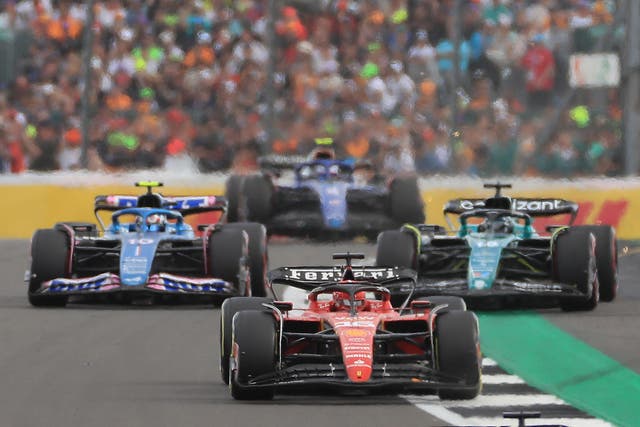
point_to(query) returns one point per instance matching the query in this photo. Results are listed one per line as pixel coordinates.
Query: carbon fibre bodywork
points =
(350, 337)
(324, 199)
(129, 259)
(495, 257)
(146, 250)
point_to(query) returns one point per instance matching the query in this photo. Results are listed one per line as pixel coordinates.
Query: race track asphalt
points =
(88, 365)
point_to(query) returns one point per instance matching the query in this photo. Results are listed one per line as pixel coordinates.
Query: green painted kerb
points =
(550, 359)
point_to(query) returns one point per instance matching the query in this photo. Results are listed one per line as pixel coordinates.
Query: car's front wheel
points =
(229, 308)
(458, 353)
(574, 264)
(254, 337)
(49, 260)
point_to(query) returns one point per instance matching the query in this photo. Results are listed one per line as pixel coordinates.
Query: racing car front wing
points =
(386, 377)
(501, 289)
(157, 283)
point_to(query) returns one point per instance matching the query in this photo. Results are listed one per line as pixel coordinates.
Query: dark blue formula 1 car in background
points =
(496, 256)
(326, 199)
(147, 251)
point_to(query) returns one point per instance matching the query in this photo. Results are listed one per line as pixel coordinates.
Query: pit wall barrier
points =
(38, 201)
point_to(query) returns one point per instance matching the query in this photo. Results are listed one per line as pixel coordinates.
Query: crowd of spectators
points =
(181, 84)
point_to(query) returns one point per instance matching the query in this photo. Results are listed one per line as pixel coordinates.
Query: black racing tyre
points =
(458, 353)
(454, 303)
(254, 334)
(49, 260)
(574, 263)
(258, 255)
(228, 254)
(405, 201)
(396, 249)
(232, 191)
(257, 192)
(229, 308)
(88, 229)
(606, 259)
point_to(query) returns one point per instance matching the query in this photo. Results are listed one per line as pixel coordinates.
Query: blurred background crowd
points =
(181, 84)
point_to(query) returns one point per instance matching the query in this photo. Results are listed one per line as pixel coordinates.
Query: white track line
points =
(494, 400)
(502, 379)
(441, 409)
(489, 362)
(571, 422)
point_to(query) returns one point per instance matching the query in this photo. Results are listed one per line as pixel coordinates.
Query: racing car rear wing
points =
(530, 206)
(308, 278)
(186, 205)
(278, 161)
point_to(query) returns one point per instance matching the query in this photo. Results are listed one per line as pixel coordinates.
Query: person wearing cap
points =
(378, 100)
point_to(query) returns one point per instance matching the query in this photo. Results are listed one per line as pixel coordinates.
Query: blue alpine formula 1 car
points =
(147, 251)
(327, 198)
(497, 257)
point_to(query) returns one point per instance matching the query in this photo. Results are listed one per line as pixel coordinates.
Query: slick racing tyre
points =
(232, 191)
(255, 336)
(256, 193)
(229, 308)
(396, 249)
(49, 260)
(453, 303)
(574, 263)
(258, 255)
(458, 353)
(606, 259)
(405, 201)
(228, 254)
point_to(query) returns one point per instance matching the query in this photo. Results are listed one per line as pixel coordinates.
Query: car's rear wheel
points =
(574, 264)
(256, 193)
(255, 336)
(229, 308)
(458, 353)
(228, 257)
(606, 259)
(49, 260)
(396, 249)
(233, 189)
(405, 201)
(258, 255)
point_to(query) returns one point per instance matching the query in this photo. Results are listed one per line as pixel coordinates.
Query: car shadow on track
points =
(196, 392)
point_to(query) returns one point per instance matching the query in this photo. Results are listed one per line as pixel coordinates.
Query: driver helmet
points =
(341, 300)
(500, 225)
(323, 150)
(156, 221)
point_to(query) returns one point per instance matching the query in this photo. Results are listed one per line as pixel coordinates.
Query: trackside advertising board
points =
(27, 207)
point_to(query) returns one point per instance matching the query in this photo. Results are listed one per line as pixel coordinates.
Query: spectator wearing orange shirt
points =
(65, 29)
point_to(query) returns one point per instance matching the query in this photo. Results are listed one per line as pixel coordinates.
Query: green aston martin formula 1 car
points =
(496, 256)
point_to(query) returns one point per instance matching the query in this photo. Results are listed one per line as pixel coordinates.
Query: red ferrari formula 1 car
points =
(350, 337)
